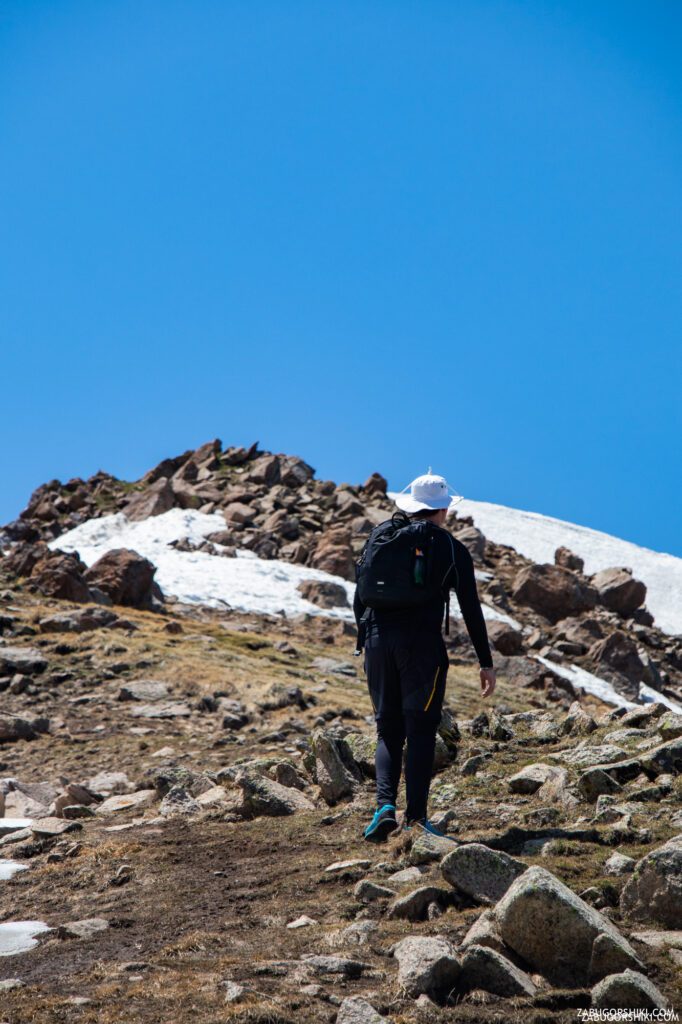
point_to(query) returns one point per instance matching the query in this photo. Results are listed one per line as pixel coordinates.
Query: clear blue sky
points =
(379, 234)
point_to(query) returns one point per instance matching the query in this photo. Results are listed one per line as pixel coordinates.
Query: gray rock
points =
(79, 620)
(267, 797)
(595, 782)
(630, 990)
(334, 965)
(86, 929)
(619, 864)
(670, 726)
(233, 991)
(49, 827)
(644, 715)
(26, 660)
(162, 709)
(552, 929)
(144, 690)
(480, 872)
(530, 778)
(427, 848)
(577, 721)
(473, 764)
(587, 756)
(127, 802)
(484, 968)
(426, 964)
(356, 1010)
(484, 932)
(414, 905)
(11, 983)
(654, 892)
(406, 876)
(333, 777)
(367, 891)
(178, 803)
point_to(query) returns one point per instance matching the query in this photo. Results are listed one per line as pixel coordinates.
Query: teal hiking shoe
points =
(382, 824)
(427, 826)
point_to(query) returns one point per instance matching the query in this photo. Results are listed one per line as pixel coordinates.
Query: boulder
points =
(426, 964)
(144, 690)
(618, 658)
(553, 929)
(618, 864)
(568, 560)
(333, 777)
(577, 722)
(152, 501)
(80, 620)
(553, 591)
(61, 575)
(629, 990)
(26, 660)
(13, 728)
(334, 554)
(126, 578)
(486, 969)
(505, 638)
(473, 540)
(595, 782)
(479, 872)
(484, 932)
(529, 779)
(619, 591)
(654, 891)
(324, 593)
(263, 796)
(414, 905)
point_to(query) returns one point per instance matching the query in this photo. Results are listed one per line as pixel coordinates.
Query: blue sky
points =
(381, 235)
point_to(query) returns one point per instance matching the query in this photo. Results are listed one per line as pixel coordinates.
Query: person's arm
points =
(464, 583)
(358, 608)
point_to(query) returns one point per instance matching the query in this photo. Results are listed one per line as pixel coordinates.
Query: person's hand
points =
(488, 681)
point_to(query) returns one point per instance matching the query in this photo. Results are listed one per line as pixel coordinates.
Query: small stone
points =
(127, 802)
(11, 983)
(619, 864)
(342, 866)
(144, 690)
(85, 929)
(530, 778)
(405, 876)
(48, 827)
(356, 1010)
(301, 922)
(415, 905)
(367, 891)
(178, 802)
(427, 848)
(233, 991)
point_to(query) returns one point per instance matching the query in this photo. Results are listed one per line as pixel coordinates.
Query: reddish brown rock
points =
(375, 484)
(505, 638)
(126, 578)
(152, 501)
(553, 591)
(61, 574)
(619, 591)
(334, 554)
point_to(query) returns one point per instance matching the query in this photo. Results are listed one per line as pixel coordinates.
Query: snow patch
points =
(245, 583)
(600, 688)
(537, 537)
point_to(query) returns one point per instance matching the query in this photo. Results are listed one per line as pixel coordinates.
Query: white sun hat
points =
(427, 492)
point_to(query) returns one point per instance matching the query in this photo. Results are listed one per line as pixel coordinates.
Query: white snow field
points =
(245, 583)
(248, 583)
(537, 537)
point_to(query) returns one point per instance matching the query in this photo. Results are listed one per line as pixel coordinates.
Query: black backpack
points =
(396, 567)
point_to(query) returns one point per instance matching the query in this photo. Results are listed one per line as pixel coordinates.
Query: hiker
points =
(404, 577)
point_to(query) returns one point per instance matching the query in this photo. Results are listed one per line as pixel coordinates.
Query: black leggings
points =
(406, 675)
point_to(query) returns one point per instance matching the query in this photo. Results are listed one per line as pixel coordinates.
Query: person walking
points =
(404, 577)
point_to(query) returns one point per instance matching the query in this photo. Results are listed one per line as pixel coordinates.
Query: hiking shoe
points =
(382, 824)
(427, 826)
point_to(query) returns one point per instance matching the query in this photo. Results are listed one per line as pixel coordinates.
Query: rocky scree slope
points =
(185, 790)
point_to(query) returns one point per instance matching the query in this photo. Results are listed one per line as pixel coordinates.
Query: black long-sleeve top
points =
(459, 576)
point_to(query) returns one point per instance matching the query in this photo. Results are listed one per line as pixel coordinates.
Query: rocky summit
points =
(183, 787)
